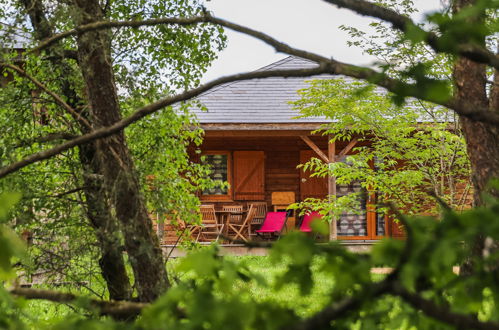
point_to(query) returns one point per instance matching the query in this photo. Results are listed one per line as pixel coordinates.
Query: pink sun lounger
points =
(307, 220)
(273, 224)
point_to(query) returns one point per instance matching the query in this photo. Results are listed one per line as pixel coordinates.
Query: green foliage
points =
(163, 57)
(10, 245)
(456, 29)
(403, 151)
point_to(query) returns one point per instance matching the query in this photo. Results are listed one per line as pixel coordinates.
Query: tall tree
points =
(110, 181)
(120, 177)
(98, 210)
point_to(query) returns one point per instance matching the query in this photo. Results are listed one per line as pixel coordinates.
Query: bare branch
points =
(471, 51)
(393, 85)
(149, 109)
(402, 23)
(335, 67)
(112, 308)
(72, 191)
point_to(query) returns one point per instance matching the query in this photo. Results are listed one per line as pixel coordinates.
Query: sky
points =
(306, 24)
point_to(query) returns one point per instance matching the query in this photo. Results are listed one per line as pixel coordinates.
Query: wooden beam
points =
(331, 151)
(349, 147)
(314, 147)
(255, 133)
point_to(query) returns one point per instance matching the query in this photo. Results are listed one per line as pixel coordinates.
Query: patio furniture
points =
(307, 220)
(261, 212)
(239, 228)
(280, 202)
(273, 225)
(209, 225)
(231, 214)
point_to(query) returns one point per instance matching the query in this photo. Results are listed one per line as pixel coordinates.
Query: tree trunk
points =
(107, 231)
(120, 176)
(482, 139)
(98, 212)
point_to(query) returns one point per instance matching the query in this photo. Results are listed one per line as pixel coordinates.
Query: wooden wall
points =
(282, 155)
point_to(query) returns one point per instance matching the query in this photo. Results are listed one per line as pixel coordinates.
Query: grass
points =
(288, 295)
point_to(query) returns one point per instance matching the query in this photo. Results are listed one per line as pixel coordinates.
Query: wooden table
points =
(223, 218)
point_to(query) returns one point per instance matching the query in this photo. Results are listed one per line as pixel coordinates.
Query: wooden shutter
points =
(311, 187)
(249, 175)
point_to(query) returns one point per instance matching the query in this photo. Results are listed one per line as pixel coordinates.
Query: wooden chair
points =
(209, 226)
(261, 211)
(237, 213)
(239, 228)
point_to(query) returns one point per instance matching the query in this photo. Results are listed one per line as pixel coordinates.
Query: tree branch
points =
(335, 67)
(362, 7)
(402, 23)
(112, 308)
(339, 68)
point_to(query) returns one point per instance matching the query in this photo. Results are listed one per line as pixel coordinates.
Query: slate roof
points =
(259, 100)
(266, 100)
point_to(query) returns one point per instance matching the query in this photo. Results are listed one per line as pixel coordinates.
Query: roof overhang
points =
(262, 127)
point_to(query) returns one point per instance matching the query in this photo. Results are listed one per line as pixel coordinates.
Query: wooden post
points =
(331, 151)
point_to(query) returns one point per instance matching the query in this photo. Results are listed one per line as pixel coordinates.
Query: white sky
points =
(306, 24)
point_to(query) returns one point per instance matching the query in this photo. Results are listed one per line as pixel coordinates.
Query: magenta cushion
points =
(307, 219)
(274, 222)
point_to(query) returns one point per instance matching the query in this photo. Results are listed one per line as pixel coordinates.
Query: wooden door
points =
(311, 187)
(249, 175)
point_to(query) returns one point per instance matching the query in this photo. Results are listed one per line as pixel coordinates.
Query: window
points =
(220, 164)
(353, 223)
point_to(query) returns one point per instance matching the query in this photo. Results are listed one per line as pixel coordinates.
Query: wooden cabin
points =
(254, 141)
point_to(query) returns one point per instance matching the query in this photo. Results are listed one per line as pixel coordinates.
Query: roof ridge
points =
(274, 64)
(282, 61)
(263, 68)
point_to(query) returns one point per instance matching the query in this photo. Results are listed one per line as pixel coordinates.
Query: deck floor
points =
(241, 250)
